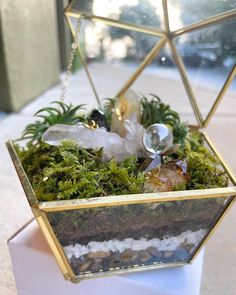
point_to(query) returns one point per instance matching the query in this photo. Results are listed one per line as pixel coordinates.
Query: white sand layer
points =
(165, 244)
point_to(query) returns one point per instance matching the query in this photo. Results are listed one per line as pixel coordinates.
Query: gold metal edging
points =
(136, 199)
(29, 192)
(116, 23)
(147, 60)
(166, 16)
(206, 22)
(226, 167)
(213, 229)
(68, 7)
(83, 61)
(223, 90)
(136, 269)
(184, 77)
(54, 244)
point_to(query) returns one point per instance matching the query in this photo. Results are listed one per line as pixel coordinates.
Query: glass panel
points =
(109, 238)
(162, 78)
(187, 12)
(112, 54)
(148, 13)
(209, 55)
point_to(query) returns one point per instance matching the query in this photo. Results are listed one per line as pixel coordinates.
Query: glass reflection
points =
(209, 55)
(192, 11)
(147, 13)
(112, 54)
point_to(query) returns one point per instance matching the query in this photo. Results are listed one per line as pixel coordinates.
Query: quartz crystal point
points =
(126, 106)
(134, 137)
(114, 146)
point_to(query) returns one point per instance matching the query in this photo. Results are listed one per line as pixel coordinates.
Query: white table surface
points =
(37, 273)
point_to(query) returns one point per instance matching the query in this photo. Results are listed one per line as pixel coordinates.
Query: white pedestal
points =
(37, 273)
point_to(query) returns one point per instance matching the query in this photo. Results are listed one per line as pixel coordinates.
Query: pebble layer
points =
(110, 255)
(166, 244)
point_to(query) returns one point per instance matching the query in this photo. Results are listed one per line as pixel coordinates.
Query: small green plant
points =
(155, 111)
(61, 114)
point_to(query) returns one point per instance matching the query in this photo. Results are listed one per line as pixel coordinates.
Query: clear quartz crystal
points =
(134, 137)
(114, 146)
(86, 138)
(126, 107)
(157, 139)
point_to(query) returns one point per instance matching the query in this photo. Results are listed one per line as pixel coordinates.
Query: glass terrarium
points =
(173, 49)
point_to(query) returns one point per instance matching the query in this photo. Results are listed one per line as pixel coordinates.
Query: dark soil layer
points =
(154, 220)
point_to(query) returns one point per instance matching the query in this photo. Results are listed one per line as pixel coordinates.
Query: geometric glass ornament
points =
(178, 24)
(92, 237)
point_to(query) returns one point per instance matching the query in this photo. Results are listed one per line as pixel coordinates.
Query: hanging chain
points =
(70, 63)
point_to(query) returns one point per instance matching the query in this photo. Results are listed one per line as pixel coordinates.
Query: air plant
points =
(62, 114)
(155, 111)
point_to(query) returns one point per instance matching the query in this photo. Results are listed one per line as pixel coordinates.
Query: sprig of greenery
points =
(61, 114)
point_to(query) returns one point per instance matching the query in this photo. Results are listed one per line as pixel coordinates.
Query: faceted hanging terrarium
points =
(137, 188)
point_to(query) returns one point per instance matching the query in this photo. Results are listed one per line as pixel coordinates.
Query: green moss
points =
(67, 172)
(203, 166)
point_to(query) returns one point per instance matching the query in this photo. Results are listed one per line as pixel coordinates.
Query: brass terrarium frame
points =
(166, 36)
(40, 209)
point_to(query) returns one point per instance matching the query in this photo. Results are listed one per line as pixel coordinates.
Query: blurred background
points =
(35, 44)
(34, 50)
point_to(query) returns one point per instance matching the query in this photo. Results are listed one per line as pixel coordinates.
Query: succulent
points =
(155, 111)
(62, 114)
